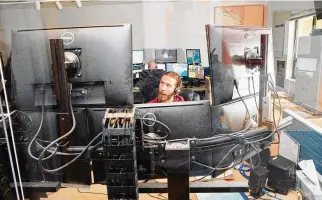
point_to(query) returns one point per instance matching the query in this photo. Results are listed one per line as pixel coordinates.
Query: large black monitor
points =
(103, 55)
(102, 59)
(238, 53)
(185, 119)
(166, 55)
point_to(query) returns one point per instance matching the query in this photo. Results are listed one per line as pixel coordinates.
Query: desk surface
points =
(200, 88)
(99, 192)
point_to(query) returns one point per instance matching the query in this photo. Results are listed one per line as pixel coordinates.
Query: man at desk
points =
(152, 65)
(169, 88)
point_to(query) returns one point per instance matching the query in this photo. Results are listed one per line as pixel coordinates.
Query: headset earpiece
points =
(179, 86)
(177, 91)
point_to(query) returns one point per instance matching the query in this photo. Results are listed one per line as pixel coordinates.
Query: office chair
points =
(187, 94)
(148, 81)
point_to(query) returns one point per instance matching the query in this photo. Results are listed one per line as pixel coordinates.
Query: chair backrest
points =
(148, 81)
(190, 95)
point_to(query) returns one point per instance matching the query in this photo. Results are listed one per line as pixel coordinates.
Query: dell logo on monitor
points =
(68, 38)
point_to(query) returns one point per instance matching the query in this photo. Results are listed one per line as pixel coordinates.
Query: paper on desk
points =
(219, 196)
(309, 170)
(305, 184)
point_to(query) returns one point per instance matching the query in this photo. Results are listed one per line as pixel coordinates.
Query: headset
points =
(177, 90)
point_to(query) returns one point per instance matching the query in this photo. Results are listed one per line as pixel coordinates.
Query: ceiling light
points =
(58, 5)
(37, 5)
(78, 3)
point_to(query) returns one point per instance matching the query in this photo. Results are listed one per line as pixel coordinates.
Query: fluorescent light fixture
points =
(78, 3)
(37, 5)
(58, 5)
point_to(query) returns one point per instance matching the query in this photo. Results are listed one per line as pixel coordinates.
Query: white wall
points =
(26, 16)
(294, 7)
(176, 25)
(156, 24)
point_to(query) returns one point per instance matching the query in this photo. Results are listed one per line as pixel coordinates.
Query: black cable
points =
(38, 131)
(299, 196)
(209, 167)
(70, 162)
(259, 157)
(231, 150)
(34, 139)
(158, 122)
(247, 110)
(96, 146)
(255, 93)
(91, 192)
(278, 97)
(281, 110)
(164, 198)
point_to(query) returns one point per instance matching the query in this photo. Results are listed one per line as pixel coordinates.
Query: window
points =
(303, 27)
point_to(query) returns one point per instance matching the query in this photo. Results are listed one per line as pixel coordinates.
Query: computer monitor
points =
(166, 55)
(193, 56)
(195, 116)
(104, 54)
(161, 66)
(237, 53)
(181, 69)
(196, 71)
(138, 57)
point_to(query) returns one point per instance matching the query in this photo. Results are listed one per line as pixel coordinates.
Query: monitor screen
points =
(165, 55)
(193, 56)
(196, 71)
(181, 69)
(161, 66)
(138, 57)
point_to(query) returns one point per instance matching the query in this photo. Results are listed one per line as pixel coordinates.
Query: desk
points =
(201, 88)
(98, 192)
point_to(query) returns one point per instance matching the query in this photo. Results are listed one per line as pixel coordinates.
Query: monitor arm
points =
(120, 144)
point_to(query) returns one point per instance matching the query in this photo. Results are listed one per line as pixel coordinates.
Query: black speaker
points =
(282, 174)
(257, 180)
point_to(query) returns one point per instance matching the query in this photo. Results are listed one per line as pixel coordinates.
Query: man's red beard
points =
(162, 97)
